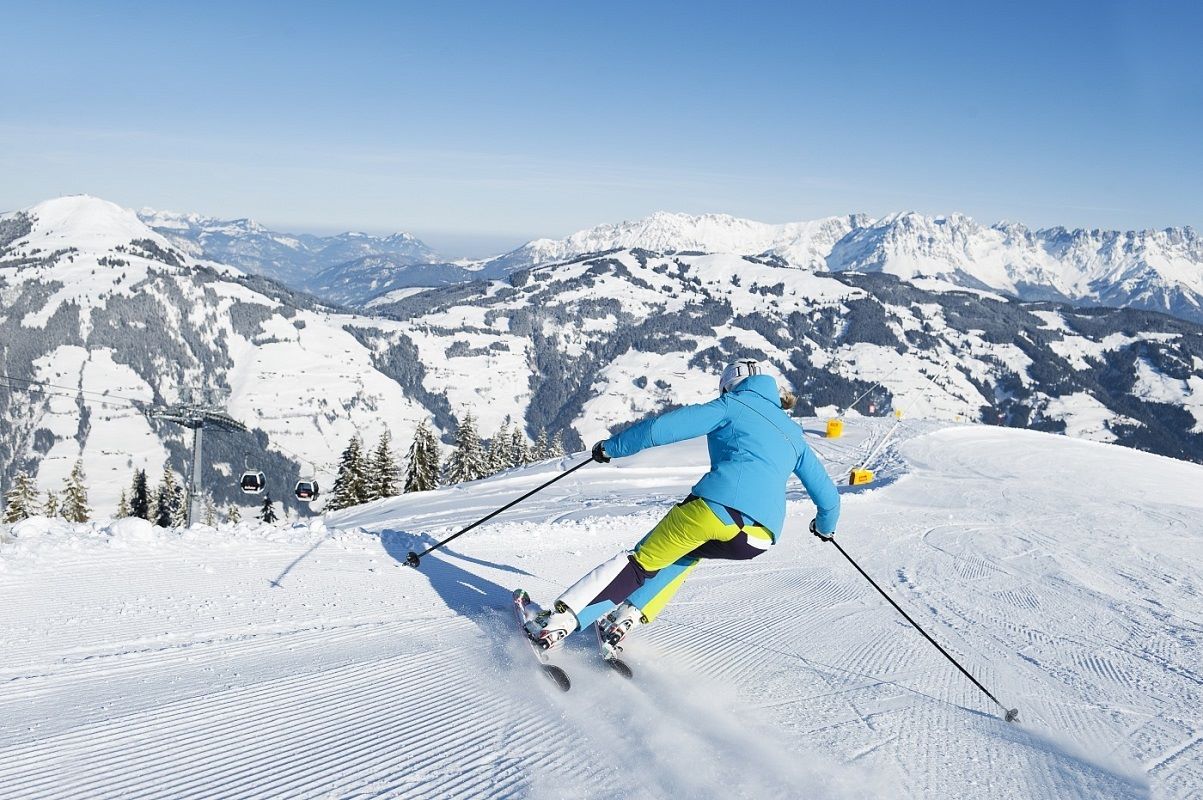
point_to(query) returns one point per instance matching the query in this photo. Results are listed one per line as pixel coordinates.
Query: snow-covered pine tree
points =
(51, 507)
(499, 449)
(123, 507)
(520, 454)
(210, 511)
(422, 471)
(164, 512)
(383, 472)
(467, 462)
(233, 515)
(542, 448)
(350, 487)
(179, 507)
(556, 448)
(21, 501)
(267, 513)
(433, 453)
(75, 496)
(140, 504)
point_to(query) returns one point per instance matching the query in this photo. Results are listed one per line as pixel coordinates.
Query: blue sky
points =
(477, 125)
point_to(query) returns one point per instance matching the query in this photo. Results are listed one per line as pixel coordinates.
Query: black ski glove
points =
(599, 453)
(826, 537)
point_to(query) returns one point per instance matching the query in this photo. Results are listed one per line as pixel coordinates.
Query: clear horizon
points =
(479, 127)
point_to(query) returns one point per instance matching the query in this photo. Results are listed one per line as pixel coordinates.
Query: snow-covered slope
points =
(310, 662)
(1154, 270)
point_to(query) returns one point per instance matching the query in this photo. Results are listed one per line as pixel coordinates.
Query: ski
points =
(557, 675)
(609, 654)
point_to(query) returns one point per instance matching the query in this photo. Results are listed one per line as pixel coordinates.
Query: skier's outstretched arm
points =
(821, 490)
(675, 426)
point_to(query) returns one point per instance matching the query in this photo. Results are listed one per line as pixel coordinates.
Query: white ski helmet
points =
(735, 372)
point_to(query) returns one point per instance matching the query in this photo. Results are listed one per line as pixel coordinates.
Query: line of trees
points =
(364, 477)
(21, 501)
(167, 504)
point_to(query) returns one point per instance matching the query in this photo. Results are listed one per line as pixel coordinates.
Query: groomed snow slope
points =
(309, 662)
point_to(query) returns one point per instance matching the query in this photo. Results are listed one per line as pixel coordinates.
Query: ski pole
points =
(415, 559)
(1011, 715)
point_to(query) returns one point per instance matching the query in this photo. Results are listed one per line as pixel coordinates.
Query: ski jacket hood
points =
(754, 447)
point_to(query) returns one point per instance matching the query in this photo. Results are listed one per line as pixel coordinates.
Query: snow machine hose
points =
(1010, 715)
(415, 559)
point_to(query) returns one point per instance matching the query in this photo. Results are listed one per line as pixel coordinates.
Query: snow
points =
(1085, 417)
(396, 295)
(1154, 385)
(308, 661)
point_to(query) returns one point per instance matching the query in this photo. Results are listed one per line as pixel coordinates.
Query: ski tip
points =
(1012, 715)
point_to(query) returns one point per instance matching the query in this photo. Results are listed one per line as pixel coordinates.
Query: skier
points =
(736, 511)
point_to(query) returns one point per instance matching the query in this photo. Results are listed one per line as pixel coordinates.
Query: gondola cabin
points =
(306, 491)
(253, 482)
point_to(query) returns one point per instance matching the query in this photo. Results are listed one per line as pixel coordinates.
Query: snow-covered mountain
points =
(121, 323)
(804, 244)
(613, 337)
(302, 261)
(357, 282)
(1153, 270)
(96, 303)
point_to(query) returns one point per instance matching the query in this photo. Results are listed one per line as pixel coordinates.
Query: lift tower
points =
(198, 418)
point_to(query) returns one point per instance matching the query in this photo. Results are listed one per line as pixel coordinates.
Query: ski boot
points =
(547, 629)
(615, 626)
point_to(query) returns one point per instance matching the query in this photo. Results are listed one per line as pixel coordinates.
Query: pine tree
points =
(520, 454)
(467, 462)
(51, 505)
(499, 449)
(233, 515)
(422, 471)
(165, 499)
(383, 474)
(268, 511)
(140, 504)
(210, 512)
(556, 448)
(75, 496)
(350, 487)
(123, 506)
(22, 498)
(542, 449)
(179, 507)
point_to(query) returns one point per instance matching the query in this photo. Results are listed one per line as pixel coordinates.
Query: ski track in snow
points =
(312, 663)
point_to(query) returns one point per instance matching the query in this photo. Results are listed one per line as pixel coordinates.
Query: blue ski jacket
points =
(754, 446)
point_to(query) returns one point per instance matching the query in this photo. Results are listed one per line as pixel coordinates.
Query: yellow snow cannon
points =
(860, 477)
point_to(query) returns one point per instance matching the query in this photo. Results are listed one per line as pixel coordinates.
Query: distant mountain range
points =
(120, 320)
(346, 269)
(1158, 270)
(1153, 270)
